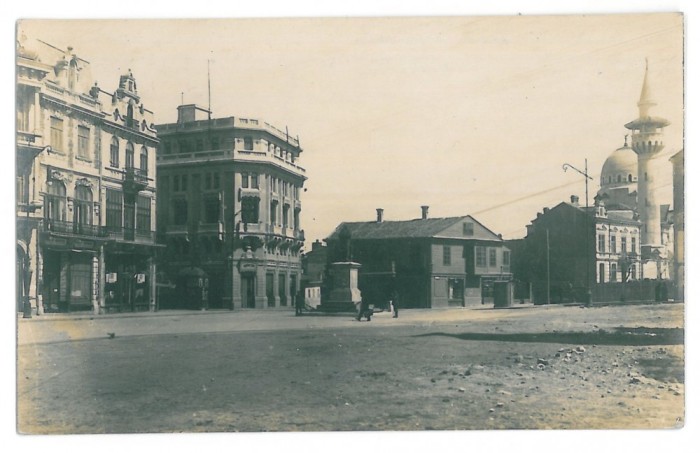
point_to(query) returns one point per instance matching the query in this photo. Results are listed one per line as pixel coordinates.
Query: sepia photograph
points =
(350, 224)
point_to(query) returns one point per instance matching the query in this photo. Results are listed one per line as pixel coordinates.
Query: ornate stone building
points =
(229, 211)
(86, 189)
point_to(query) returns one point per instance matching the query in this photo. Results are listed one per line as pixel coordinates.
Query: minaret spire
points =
(646, 100)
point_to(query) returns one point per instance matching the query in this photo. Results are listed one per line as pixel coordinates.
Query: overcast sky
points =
(469, 115)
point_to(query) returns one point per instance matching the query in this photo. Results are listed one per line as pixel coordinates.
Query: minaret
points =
(647, 142)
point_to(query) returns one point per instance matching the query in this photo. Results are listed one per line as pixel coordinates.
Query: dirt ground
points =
(549, 367)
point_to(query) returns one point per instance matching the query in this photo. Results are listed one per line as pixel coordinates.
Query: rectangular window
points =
(273, 212)
(248, 143)
(623, 244)
(285, 216)
(254, 181)
(613, 272)
(214, 143)
(492, 257)
(83, 142)
(446, 255)
(244, 180)
(56, 134)
(634, 245)
(211, 209)
(184, 183)
(601, 243)
(179, 212)
(114, 200)
(184, 146)
(217, 181)
(613, 244)
(506, 257)
(199, 145)
(143, 213)
(166, 147)
(480, 253)
(250, 210)
(467, 229)
(207, 181)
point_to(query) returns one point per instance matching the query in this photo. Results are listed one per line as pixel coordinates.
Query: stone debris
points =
(462, 389)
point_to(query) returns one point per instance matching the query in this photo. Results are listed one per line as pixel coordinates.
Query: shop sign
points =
(247, 267)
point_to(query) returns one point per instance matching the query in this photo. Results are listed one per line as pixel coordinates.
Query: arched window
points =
(129, 155)
(114, 153)
(144, 160)
(55, 202)
(82, 208)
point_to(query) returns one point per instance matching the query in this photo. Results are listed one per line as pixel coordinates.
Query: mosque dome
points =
(620, 168)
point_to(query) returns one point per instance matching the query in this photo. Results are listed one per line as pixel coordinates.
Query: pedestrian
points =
(363, 311)
(394, 301)
(299, 303)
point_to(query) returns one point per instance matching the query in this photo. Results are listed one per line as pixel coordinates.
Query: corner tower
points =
(647, 142)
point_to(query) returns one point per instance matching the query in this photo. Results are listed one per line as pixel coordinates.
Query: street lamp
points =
(586, 177)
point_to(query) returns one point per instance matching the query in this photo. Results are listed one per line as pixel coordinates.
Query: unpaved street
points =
(538, 367)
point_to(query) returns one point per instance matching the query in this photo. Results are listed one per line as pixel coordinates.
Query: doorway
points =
(248, 291)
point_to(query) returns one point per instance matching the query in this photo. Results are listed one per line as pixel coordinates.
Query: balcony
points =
(134, 179)
(131, 235)
(74, 229)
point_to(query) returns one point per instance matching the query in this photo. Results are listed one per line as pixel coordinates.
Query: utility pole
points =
(586, 177)
(548, 279)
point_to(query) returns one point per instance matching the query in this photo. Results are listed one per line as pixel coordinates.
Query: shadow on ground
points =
(620, 336)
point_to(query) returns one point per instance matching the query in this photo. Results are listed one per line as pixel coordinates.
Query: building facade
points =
(678, 162)
(86, 190)
(229, 210)
(569, 251)
(429, 262)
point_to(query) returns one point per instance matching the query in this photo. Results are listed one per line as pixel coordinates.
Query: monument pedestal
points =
(345, 295)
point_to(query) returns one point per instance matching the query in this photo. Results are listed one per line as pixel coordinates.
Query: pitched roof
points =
(416, 228)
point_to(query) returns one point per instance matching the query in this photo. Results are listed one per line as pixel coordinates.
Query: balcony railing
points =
(135, 179)
(72, 228)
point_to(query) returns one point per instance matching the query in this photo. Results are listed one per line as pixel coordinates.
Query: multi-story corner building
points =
(678, 162)
(229, 210)
(429, 262)
(86, 190)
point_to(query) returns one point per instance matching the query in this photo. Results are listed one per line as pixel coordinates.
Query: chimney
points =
(424, 212)
(574, 200)
(380, 215)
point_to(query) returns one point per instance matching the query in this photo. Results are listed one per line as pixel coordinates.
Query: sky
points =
(468, 115)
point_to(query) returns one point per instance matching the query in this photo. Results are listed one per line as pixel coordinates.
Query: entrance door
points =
(248, 291)
(52, 282)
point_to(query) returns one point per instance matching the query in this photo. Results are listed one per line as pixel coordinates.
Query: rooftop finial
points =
(626, 135)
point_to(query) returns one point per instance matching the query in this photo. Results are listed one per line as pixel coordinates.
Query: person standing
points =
(299, 303)
(395, 303)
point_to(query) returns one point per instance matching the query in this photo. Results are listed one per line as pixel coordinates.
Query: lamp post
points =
(586, 177)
